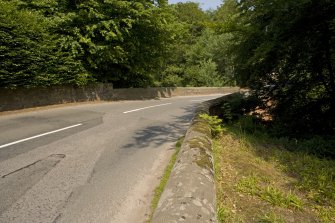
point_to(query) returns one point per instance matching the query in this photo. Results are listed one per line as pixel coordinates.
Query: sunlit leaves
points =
(30, 55)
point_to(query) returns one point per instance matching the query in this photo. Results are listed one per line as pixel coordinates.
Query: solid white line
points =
(40, 135)
(145, 108)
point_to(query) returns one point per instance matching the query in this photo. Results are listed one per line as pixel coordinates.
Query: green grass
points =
(214, 123)
(270, 218)
(314, 174)
(269, 193)
(223, 213)
(166, 175)
(259, 179)
(277, 197)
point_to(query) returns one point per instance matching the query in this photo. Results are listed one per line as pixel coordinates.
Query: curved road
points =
(94, 162)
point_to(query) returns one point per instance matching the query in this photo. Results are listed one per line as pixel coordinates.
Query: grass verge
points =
(166, 175)
(258, 180)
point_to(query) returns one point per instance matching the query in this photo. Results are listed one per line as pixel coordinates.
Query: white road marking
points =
(146, 108)
(40, 135)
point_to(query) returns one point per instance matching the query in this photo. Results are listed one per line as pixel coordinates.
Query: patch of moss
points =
(201, 126)
(204, 160)
(203, 144)
(200, 142)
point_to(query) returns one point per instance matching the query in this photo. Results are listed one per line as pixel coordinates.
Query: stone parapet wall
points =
(189, 195)
(36, 97)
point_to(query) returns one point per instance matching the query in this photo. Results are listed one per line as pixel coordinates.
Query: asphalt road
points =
(88, 163)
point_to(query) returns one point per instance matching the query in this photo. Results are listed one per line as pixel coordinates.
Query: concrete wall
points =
(36, 97)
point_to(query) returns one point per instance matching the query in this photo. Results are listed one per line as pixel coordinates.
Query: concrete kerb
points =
(189, 195)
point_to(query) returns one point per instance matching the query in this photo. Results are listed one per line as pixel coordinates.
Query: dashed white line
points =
(146, 108)
(40, 135)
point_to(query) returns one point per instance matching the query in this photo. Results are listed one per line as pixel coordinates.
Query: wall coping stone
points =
(189, 195)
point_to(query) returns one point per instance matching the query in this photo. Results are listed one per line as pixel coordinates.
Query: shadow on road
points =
(157, 135)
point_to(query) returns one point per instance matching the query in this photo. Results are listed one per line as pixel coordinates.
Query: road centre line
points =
(146, 108)
(40, 135)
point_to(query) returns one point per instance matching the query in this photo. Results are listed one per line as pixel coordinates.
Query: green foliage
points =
(212, 47)
(285, 50)
(263, 181)
(270, 218)
(294, 174)
(227, 112)
(235, 106)
(215, 124)
(236, 111)
(316, 176)
(128, 43)
(30, 55)
(192, 16)
(200, 63)
(315, 172)
(309, 161)
(317, 145)
(76, 42)
(276, 197)
(223, 214)
(125, 48)
(172, 76)
(198, 54)
(204, 74)
(268, 193)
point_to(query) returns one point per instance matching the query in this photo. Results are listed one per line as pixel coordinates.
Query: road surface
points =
(94, 162)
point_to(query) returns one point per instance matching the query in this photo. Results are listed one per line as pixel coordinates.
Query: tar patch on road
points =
(15, 184)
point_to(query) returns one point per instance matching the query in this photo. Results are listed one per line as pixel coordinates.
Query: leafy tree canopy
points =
(30, 56)
(285, 51)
